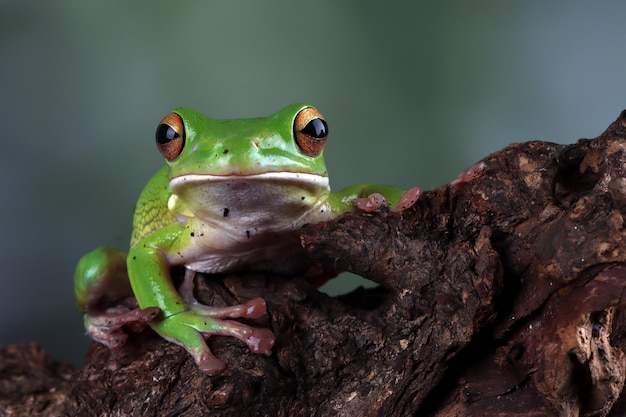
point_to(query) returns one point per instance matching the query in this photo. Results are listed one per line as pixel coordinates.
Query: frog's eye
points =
(311, 131)
(170, 136)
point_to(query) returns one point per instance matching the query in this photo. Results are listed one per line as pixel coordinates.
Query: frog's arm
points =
(157, 238)
(155, 229)
(343, 200)
(148, 271)
(184, 320)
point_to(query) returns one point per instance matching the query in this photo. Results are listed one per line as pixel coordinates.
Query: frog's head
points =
(226, 166)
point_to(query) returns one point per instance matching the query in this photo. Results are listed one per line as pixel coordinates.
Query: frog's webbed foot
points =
(108, 326)
(189, 328)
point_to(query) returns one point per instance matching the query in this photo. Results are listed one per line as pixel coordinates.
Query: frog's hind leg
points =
(104, 294)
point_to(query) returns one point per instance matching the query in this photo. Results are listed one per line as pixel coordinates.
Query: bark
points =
(504, 297)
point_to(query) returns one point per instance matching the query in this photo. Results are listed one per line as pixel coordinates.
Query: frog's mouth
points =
(257, 198)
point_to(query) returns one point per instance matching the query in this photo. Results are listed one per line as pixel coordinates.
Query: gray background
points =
(414, 93)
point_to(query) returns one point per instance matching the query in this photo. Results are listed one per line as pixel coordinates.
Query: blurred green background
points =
(414, 93)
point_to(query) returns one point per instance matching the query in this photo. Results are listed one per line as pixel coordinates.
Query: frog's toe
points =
(252, 309)
(261, 341)
(470, 174)
(208, 363)
(258, 339)
(108, 327)
(113, 338)
(409, 198)
(194, 343)
(373, 203)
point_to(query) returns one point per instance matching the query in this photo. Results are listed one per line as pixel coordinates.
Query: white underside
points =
(248, 221)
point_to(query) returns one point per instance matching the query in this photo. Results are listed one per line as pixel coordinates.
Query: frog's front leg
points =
(184, 320)
(104, 295)
(377, 198)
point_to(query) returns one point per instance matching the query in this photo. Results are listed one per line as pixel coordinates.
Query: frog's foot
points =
(409, 198)
(373, 203)
(107, 327)
(377, 203)
(464, 177)
(189, 328)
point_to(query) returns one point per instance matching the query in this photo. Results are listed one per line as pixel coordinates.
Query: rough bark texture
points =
(504, 298)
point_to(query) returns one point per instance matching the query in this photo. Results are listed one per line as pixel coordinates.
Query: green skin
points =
(237, 186)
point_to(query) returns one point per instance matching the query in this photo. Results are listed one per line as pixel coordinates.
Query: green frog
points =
(232, 195)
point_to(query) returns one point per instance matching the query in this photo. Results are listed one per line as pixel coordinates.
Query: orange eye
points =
(170, 136)
(311, 131)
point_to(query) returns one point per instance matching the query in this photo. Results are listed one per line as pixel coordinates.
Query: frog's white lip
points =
(279, 177)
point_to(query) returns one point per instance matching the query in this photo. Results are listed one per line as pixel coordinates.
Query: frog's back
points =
(151, 212)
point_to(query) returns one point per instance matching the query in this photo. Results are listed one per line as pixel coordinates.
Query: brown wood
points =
(505, 298)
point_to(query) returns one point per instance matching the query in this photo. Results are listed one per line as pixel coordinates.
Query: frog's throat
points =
(290, 195)
(310, 180)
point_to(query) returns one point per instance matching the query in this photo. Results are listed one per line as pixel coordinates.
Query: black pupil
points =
(165, 133)
(316, 128)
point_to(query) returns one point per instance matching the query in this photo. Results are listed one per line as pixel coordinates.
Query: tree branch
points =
(503, 298)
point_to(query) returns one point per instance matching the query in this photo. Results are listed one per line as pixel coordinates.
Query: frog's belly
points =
(263, 239)
(272, 252)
